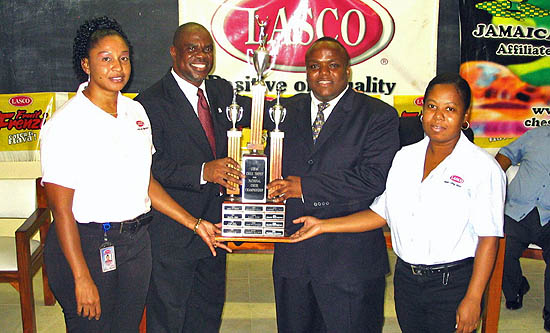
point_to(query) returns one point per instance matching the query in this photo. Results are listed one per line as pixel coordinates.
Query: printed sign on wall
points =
(392, 44)
(506, 60)
(21, 118)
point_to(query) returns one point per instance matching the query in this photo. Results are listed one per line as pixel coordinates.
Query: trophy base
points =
(254, 220)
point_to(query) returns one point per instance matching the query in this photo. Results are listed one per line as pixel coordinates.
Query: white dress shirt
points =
(106, 160)
(326, 112)
(190, 91)
(439, 219)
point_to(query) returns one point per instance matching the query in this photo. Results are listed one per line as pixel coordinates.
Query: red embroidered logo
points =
(419, 101)
(20, 100)
(140, 123)
(364, 27)
(457, 179)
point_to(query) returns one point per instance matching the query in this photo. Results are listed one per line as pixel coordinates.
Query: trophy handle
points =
(249, 55)
(273, 60)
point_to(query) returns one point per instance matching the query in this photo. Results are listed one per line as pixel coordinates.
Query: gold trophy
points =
(277, 114)
(234, 113)
(250, 215)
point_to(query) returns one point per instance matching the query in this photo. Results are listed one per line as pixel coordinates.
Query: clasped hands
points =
(226, 172)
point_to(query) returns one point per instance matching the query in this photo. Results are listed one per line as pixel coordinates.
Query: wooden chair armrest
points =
(33, 223)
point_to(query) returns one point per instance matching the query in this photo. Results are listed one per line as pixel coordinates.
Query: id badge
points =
(108, 260)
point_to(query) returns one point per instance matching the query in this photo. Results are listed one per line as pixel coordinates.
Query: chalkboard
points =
(36, 40)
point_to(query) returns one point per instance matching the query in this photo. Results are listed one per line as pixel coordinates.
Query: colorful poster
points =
(21, 118)
(392, 44)
(506, 60)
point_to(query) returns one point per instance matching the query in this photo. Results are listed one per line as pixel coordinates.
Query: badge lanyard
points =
(107, 251)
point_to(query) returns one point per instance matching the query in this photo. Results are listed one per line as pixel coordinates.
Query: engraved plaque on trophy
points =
(255, 181)
(250, 215)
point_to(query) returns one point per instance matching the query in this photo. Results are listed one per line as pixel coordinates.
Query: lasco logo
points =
(457, 179)
(20, 100)
(364, 27)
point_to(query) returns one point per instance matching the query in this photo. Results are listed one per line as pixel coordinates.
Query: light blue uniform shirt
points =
(530, 187)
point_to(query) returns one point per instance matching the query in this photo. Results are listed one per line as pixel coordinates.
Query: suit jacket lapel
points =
(304, 122)
(337, 117)
(187, 115)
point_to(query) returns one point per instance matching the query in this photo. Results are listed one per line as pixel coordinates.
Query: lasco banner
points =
(392, 44)
(21, 118)
(506, 60)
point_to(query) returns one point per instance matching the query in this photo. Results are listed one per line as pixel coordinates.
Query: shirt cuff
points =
(202, 172)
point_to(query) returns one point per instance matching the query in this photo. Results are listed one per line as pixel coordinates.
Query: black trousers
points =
(306, 306)
(518, 237)
(122, 292)
(186, 295)
(428, 303)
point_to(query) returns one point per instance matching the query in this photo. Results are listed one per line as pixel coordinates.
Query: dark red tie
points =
(206, 120)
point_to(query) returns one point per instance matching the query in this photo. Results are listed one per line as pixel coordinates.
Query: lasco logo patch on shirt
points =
(455, 180)
(140, 125)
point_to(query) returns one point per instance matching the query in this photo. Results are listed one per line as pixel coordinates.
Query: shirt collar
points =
(332, 102)
(187, 88)
(80, 94)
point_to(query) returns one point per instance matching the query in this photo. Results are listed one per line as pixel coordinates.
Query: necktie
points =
(319, 120)
(206, 120)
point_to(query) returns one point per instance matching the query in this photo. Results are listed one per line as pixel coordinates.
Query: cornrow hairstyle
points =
(88, 35)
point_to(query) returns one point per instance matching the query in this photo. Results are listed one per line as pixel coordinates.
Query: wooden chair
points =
(533, 252)
(21, 256)
(493, 293)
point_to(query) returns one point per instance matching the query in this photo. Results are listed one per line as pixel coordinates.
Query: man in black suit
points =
(187, 289)
(411, 131)
(335, 162)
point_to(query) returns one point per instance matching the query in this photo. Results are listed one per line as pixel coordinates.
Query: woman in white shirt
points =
(96, 167)
(443, 202)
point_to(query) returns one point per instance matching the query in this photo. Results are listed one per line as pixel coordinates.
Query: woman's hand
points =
(208, 232)
(311, 228)
(468, 315)
(87, 298)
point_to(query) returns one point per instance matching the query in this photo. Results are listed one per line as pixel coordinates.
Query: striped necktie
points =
(319, 120)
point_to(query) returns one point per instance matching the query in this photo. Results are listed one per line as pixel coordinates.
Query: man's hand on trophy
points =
(282, 189)
(224, 171)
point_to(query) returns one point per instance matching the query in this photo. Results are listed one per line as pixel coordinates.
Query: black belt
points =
(437, 268)
(126, 226)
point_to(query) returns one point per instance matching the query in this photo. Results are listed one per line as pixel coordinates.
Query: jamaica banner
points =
(506, 60)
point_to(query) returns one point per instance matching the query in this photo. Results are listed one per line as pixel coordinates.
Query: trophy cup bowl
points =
(277, 114)
(234, 113)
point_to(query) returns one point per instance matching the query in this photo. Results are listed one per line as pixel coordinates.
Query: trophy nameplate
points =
(255, 171)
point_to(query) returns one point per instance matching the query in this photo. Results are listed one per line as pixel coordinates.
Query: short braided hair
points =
(88, 35)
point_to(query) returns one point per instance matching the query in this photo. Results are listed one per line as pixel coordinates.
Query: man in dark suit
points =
(338, 148)
(411, 131)
(187, 289)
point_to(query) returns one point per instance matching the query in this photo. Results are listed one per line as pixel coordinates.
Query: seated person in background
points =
(444, 203)
(527, 213)
(411, 131)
